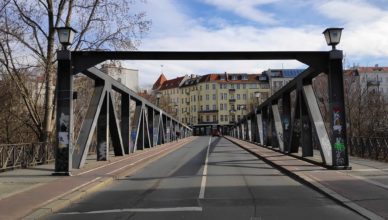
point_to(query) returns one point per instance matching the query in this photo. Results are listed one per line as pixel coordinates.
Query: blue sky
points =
(260, 25)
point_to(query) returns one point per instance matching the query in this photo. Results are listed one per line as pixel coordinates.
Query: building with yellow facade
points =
(213, 101)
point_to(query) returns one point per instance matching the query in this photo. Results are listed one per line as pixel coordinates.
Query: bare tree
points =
(27, 40)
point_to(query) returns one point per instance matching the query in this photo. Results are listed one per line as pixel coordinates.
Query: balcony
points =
(232, 90)
(207, 122)
(208, 111)
(232, 100)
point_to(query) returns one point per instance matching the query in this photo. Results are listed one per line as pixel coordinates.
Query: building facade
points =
(214, 101)
(128, 77)
(280, 77)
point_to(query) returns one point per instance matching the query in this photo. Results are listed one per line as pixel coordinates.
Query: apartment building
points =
(214, 101)
(280, 77)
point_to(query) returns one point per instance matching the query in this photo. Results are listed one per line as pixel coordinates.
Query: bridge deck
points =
(237, 185)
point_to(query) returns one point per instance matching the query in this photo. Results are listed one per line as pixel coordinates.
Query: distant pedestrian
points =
(178, 134)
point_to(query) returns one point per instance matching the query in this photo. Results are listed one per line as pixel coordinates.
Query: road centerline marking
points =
(204, 174)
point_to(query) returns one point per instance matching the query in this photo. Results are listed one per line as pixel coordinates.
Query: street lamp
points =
(66, 36)
(258, 96)
(158, 96)
(333, 36)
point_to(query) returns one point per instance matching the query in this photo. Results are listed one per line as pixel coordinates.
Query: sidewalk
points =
(33, 193)
(363, 189)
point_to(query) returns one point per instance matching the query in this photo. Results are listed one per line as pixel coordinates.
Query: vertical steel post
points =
(306, 131)
(337, 108)
(102, 130)
(265, 123)
(125, 122)
(286, 120)
(64, 123)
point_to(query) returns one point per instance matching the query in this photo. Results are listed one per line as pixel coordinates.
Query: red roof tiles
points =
(159, 82)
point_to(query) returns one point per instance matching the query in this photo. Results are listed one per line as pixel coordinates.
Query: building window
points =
(221, 96)
(201, 108)
(195, 108)
(200, 98)
(238, 96)
(238, 107)
(238, 86)
(221, 106)
(214, 86)
(232, 86)
(220, 86)
(214, 97)
(225, 96)
(207, 86)
(226, 118)
(207, 96)
(244, 96)
(214, 107)
(207, 118)
(182, 101)
(244, 86)
(234, 77)
(225, 86)
(214, 118)
(207, 107)
(225, 106)
(221, 118)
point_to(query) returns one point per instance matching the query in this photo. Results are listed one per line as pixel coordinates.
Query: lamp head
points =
(333, 36)
(66, 35)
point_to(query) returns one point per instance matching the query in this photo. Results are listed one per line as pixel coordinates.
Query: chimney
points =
(226, 76)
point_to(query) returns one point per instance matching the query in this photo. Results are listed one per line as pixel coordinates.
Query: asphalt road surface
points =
(207, 181)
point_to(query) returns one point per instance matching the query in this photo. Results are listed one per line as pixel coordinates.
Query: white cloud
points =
(353, 12)
(246, 8)
(365, 24)
(363, 37)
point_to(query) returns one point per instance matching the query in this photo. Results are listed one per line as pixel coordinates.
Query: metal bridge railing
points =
(369, 147)
(25, 155)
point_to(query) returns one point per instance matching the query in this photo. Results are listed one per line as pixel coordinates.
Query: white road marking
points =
(172, 209)
(204, 174)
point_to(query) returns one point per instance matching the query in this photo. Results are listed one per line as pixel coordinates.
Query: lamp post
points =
(336, 100)
(258, 97)
(64, 148)
(158, 96)
(333, 36)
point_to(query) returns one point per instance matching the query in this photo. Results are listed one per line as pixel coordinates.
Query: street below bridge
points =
(209, 178)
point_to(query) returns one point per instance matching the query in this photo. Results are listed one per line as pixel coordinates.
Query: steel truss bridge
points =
(266, 125)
